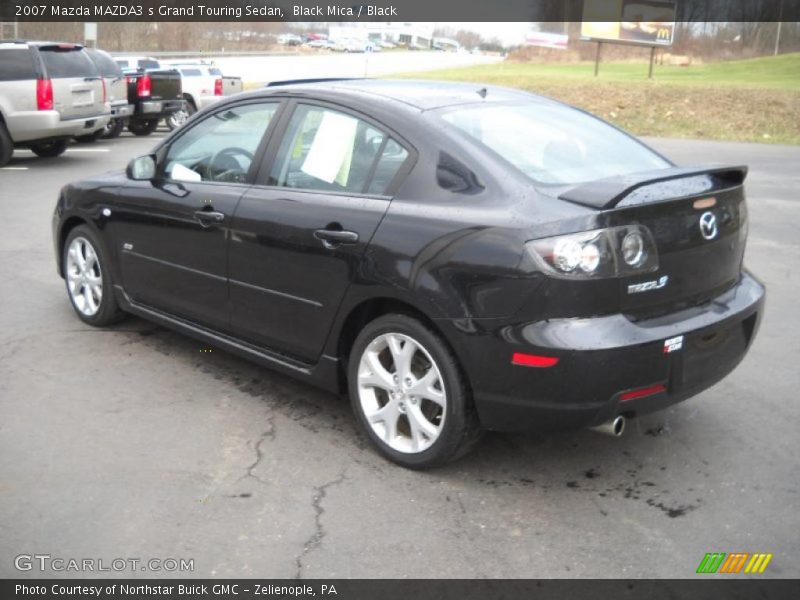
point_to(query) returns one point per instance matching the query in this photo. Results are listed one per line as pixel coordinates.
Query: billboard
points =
(647, 22)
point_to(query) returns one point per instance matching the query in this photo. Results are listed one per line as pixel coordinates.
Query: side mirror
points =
(142, 168)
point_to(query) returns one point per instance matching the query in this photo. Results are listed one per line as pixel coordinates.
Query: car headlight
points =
(611, 252)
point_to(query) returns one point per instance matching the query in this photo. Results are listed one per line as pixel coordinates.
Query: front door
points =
(299, 234)
(172, 233)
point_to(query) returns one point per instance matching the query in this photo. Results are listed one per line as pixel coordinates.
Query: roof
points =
(421, 94)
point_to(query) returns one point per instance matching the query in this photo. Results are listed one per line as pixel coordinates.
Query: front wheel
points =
(88, 278)
(409, 395)
(142, 128)
(178, 118)
(50, 149)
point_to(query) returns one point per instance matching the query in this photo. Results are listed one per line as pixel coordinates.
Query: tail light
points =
(144, 86)
(613, 252)
(44, 94)
(218, 87)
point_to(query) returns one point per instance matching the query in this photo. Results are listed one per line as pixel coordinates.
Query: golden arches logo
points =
(734, 562)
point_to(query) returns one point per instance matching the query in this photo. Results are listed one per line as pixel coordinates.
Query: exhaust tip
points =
(614, 427)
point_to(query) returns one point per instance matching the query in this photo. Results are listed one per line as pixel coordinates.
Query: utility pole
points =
(780, 24)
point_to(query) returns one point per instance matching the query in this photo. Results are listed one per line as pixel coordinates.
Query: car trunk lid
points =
(698, 220)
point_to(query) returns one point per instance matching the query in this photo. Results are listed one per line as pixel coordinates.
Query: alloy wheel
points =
(401, 393)
(84, 277)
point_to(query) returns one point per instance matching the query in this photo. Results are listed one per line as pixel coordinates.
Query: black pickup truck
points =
(155, 93)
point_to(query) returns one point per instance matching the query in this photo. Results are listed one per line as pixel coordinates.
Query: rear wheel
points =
(113, 129)
(142, 128)
(50, 149)
(88, 278)
(6, 146)
(408, 393)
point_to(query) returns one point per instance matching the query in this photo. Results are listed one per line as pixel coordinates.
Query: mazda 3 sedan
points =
(456, 258)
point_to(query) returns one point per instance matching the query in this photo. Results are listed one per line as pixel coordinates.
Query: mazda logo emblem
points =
(708, 225)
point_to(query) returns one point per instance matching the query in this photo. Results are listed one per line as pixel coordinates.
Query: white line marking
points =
(88, 150)
(14, 168)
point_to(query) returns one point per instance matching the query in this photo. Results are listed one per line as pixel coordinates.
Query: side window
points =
(17, 64)
(221, 146)
(326, 150)
(392, 158)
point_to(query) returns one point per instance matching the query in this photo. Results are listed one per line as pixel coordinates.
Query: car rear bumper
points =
(34, 126)
(121, 111)
(158, 108)
(610, 365)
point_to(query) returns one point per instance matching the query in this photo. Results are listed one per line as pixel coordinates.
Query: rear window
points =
(105, 64)
(145, 63)
(552, 143)
(16, 64)
(67, 63)
(191, 72)
(215, 72)
(122, 63)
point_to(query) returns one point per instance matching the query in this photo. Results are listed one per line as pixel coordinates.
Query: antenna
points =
(482, 92)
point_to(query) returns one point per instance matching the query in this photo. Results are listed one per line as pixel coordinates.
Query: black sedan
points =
(455, 257)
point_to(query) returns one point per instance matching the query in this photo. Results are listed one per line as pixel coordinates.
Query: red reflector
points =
(645, 391)
(218, 87)
(143, 86)
(44, 94)
(532, 360)
(105, 93)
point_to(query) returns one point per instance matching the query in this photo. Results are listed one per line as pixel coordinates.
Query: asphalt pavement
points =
(134, 442)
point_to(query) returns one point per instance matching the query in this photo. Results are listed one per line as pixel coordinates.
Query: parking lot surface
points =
(138, 442)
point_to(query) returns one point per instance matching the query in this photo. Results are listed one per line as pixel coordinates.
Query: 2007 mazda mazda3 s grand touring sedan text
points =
(455, 257)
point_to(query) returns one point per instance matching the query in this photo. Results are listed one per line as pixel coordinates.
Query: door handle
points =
(209, 217)
(334, 237)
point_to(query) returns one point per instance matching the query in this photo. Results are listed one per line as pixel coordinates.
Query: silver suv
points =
(49, 93)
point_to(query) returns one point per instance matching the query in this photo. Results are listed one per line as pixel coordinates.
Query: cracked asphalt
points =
(134, 442)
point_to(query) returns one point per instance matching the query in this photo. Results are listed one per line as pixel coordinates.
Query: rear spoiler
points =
(607, 193)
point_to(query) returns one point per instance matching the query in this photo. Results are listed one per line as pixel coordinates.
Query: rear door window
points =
(16, 64)
(105, 64)
(148, 64)
(327, 150)
(67, 63)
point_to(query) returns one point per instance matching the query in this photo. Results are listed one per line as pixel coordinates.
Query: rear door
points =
(77, 84)
(299, 235)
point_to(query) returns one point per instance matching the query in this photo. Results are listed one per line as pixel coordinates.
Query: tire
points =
(423, 430)
(178, 118)
(6, 146)
(89, 139)
(50, 149)
(113, 129)
(143, 128)
(88, 280)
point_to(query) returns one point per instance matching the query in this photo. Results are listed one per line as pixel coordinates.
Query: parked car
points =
(116, 92)
(49, 93)
(156, 93)
(289, 39)
(456, 257)
(202, 84)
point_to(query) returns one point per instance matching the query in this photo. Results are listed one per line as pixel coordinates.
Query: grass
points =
(756, 100)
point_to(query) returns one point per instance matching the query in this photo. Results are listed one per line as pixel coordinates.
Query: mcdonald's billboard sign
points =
(646, 22)
(734, 563)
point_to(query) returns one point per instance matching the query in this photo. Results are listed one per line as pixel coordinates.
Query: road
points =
(131, 442)
(262, 69)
